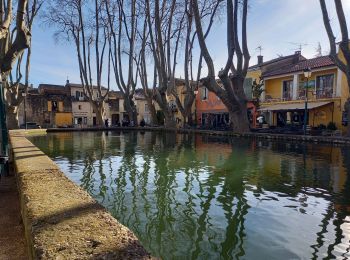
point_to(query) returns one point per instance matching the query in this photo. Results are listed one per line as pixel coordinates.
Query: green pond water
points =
(201, 197)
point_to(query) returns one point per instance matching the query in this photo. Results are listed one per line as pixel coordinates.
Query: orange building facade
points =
(211, 113)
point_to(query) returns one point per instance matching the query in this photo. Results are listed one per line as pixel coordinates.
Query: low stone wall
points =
(337, 140)
(61, 220)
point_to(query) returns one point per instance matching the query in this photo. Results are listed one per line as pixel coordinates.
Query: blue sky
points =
(272, 24)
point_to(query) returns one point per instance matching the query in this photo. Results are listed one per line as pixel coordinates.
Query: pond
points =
(199, 197)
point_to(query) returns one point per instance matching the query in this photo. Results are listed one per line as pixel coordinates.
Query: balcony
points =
(318, 94)
(312, 95)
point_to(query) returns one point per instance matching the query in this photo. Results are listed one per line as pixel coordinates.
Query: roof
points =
(75, 85)
(315, 63)
(115, 94)
(278, 59)
(295, 106)
(52, 89)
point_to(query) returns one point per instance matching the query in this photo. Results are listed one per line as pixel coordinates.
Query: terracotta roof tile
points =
(315, 63)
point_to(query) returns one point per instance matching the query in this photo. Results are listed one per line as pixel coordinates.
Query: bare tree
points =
(344, 66)
(13, 89)
(83, 22)
(165, 21)
(11, 51)
(208, 8)
(143, 74)
(233, 74)
(122, 21)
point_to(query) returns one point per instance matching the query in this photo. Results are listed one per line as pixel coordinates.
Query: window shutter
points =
(203, 93)
(60, 106)
(49, 106)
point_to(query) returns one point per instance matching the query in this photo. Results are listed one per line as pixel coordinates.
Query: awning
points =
(295, 106)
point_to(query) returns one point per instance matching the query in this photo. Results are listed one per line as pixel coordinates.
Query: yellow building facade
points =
(286, 89)
(180, 90)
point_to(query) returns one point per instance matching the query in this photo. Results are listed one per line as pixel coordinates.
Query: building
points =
(211, 111)
(48, 105)
(285, 91)
(83, 113)
(115, 108)
(181, 93)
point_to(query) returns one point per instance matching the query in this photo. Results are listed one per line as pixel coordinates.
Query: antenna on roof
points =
(299, 45)
(259, 48)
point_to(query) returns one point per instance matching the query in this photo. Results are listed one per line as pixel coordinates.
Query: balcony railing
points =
(312, 95)
(287, 96)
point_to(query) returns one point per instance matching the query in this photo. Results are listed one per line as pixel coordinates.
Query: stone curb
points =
(61, 220)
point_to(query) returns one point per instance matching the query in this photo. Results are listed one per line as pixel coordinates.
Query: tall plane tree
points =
(122, 22)
(13, 89)
(343, 45)
(230, 88)
(83, 22)
(143, 73)
(165, 21)
(208, 8)
(10, 52)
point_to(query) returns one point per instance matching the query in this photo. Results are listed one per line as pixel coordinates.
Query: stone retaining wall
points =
(61, 220)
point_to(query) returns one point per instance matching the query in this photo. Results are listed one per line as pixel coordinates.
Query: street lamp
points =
(24, 94)
(307, 75)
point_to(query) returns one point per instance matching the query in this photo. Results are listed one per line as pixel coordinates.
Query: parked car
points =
(30, 125)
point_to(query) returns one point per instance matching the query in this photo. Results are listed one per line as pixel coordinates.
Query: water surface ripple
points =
(200, 197)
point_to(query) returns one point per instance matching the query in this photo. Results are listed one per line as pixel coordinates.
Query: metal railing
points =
(3, 135)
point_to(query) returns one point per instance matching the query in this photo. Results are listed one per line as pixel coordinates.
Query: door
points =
(115, 119)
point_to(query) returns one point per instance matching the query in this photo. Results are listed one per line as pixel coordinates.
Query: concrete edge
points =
(61, 220)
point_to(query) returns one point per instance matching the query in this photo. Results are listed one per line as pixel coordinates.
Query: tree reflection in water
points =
(202, 197)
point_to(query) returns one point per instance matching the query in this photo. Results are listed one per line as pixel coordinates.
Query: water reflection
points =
(203, 197)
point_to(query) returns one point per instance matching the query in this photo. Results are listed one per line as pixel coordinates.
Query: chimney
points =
(297, 56)
(260, 59)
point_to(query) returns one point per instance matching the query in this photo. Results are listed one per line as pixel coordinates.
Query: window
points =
(146, 108)
(85, 121)
(79, 107)
(54, 106)
(204, 93)
(324, 86)
(77, 95)
(287, 92)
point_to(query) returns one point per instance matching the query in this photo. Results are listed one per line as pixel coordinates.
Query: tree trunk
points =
(99, 111)
(169, 120)
(153, 112)
(347, 106)
(190, 120)
(12, 117)
(239, 120)
(347, 111)
(130, 108)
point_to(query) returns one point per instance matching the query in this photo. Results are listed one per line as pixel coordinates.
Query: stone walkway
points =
(12, 240)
